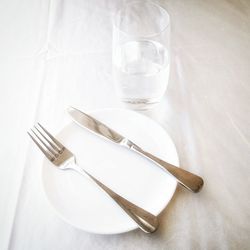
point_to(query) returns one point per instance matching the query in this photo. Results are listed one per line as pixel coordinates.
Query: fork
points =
(62, 158)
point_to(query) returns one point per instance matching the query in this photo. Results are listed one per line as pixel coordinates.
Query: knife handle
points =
(190, 181)
(146, 221)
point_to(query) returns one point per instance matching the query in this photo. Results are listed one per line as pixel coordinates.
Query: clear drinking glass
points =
(141, 56)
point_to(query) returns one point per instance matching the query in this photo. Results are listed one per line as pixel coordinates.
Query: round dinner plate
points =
(81, 203)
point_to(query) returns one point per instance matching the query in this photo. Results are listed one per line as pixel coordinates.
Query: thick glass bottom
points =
(140, 104)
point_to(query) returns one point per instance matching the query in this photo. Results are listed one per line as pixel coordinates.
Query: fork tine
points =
(45, 144)
(42, 148)
(59, 145)
(48, 140)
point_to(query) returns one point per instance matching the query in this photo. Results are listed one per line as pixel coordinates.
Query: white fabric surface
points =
(58, 53)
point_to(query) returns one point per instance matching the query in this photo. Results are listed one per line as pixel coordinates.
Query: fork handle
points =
(189, 180)
(146, 221)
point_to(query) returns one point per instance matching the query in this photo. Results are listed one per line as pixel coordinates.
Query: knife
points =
(189, 180)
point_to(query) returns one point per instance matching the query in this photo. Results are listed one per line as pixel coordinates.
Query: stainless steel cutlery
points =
(189, 180)
(63, 159)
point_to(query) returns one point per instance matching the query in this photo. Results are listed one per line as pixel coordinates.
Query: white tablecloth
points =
(57, 53)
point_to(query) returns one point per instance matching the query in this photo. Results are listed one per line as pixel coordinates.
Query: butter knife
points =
(189, 180)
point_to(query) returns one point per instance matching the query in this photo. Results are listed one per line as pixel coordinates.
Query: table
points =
(57, 53)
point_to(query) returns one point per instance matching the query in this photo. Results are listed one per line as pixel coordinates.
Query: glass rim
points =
(145, 3)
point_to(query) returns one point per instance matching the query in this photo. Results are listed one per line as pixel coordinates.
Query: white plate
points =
(84, 205)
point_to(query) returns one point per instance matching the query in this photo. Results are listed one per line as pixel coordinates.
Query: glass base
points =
(140, 104)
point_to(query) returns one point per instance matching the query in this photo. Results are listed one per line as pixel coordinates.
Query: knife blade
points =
(94, 125)
(189, 180)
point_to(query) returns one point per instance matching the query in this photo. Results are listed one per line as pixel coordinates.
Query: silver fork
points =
(62, 158)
